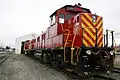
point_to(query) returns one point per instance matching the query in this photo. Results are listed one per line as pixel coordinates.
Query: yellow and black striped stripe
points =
(89, 30)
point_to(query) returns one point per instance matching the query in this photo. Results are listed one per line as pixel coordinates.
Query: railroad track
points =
(116, 70)
(102, 77)
(3, 57)
(114, 75)
(74, 76)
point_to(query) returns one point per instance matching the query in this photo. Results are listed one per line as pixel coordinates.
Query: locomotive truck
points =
(74, 41)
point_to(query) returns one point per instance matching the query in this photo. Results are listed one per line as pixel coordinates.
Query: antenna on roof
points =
(75, 5)
(79, 4)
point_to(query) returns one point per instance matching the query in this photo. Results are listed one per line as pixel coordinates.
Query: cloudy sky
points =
(21, 17)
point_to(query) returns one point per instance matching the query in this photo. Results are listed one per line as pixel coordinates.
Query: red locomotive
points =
(74, 40)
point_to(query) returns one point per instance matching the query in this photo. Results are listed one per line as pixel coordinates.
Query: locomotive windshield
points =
(68, 16)
(71, 11)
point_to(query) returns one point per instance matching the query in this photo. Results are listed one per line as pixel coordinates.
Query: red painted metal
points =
(27, 44)
(67, 34)
(33, 41)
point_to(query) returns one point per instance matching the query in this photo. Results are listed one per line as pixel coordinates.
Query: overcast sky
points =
(21, 17)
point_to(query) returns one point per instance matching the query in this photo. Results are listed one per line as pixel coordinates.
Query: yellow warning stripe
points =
(87, 29)
(85, 43)
(98, 26)
(98, 18)
(100, 38)
(100, 31)
(89, 32)
(100, 44)
(89, 17)
(87, 22)
(88, 38)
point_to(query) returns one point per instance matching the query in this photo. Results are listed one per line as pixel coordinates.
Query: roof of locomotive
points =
(66, 7)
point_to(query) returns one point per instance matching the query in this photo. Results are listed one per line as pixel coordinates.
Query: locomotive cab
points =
(60, 16)
(66, 12)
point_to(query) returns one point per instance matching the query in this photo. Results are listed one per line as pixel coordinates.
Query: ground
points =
(117, 61)
(21, 67)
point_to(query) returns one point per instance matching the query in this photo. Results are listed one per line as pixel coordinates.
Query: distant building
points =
(2, 44)
(23, 38)
(117, 48)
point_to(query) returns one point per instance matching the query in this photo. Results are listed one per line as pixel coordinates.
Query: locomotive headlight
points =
(94, 19)
(88, 52)
(111, 52)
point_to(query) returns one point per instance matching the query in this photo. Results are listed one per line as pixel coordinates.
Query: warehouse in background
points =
(23, 38)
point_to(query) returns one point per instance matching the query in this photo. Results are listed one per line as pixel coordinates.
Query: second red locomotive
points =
(74, 41)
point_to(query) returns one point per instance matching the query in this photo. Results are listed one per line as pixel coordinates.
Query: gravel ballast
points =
(21, 67)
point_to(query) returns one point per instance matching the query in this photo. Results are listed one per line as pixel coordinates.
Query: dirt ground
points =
(117, 61)
(21, 67)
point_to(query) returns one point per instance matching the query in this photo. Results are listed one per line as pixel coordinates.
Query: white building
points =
(23, 38)
(2, 44)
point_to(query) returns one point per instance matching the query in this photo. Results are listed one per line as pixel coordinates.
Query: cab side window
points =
(61, 18)
(53, 20)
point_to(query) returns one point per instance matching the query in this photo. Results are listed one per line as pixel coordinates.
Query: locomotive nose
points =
(102, 57)
(100, 61)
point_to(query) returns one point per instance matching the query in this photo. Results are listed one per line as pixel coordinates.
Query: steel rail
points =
(103, 77)
(1, 61)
